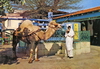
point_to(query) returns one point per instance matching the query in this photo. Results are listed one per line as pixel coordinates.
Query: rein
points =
(35, 33)
(52, 27)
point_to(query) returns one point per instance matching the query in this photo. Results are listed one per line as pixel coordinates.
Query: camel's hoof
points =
(30, 61)
(37, 60)
(14, 58)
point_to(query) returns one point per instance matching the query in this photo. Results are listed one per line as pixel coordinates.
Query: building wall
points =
(12, 24)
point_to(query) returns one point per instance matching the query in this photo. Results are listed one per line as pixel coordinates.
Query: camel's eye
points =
(56, 25)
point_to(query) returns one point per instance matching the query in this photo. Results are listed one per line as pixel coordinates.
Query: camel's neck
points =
(48, 33)
(45, 35)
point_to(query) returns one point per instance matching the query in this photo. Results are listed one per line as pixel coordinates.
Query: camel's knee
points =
(36, 50)
(31, 50)
(31, 56)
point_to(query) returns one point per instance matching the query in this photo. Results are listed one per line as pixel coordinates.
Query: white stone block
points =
(85, 44)
(78, 51)
(74, 52)
(82, 44)
(83, 50)
(77, 45)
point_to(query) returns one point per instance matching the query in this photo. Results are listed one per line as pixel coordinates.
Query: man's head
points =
(69, 27)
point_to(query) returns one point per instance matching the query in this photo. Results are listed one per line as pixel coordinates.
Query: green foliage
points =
(5, 5)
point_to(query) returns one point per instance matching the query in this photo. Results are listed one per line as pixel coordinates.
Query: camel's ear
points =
(53, 22)
(50, 22)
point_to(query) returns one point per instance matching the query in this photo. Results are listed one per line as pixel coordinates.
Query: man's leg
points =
(71, 53)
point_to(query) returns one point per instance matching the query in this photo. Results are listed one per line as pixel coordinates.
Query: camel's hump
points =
(27, 21)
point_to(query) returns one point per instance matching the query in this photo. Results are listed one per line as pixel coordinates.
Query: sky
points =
(86, 4)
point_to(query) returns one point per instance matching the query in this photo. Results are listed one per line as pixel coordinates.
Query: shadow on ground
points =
(6, 56)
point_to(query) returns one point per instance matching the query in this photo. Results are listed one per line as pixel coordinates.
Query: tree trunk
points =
(3, 28)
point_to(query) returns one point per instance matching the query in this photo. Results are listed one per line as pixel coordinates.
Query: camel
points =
(33, 38)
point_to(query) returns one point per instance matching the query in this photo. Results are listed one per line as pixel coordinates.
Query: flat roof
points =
(79, 12)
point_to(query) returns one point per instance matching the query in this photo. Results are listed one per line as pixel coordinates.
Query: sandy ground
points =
(84, 61)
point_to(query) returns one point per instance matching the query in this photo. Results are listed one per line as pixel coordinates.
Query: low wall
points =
(58, 48)
(45, 48)
(50, 48)
(81, 47)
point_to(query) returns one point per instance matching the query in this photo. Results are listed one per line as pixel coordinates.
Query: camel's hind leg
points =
(14, 44)
(14, 52)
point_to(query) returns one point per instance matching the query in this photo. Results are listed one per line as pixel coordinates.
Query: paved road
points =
(84, 61)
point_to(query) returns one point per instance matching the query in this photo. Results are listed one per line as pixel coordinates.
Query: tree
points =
(39, 8)
(4, 5)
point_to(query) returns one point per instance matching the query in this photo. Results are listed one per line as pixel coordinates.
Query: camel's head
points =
(54, 25)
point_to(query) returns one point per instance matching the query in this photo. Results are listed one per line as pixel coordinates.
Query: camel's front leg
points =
(32, 47)
(31, 56)
(33, 52)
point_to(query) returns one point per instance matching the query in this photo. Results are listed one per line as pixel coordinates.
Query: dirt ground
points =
(84, 61)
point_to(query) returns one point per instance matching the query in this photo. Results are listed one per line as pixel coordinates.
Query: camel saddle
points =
(28, 24)
(32, 29)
